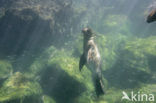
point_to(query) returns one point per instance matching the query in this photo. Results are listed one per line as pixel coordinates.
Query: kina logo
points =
(138, 97)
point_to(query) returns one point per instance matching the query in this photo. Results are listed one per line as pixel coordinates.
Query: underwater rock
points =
(64, 60)
(135, 64)
(25, 23)
(146, 49)
(139, 46)
(58, 75)
(18, 87)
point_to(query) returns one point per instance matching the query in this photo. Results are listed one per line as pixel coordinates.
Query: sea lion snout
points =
(87, 32)
(152, 16)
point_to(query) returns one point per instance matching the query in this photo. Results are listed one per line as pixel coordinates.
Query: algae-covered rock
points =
(145, 52)
(149, 88)
(135, 63)
(5, 69)
(18, 87)
(60, 77)
(21, 21)
(146, 46)
(69, 64)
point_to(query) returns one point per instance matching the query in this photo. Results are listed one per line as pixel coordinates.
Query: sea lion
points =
(91, 57)
(152, 16)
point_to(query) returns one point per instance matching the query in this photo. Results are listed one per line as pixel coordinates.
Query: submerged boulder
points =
(33, 25)
(135, 64)
(145, 46)
(18, 87)
(60, 77)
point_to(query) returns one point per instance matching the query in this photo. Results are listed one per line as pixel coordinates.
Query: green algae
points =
(18, 87)
(142, 46)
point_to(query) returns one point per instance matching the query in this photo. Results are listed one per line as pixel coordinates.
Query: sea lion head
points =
(152, 16)
(87, 32)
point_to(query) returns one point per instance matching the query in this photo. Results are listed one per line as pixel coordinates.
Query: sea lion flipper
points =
(99, 87)
(82, 62)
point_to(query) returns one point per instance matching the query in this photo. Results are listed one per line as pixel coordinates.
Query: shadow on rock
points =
(58, 84)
